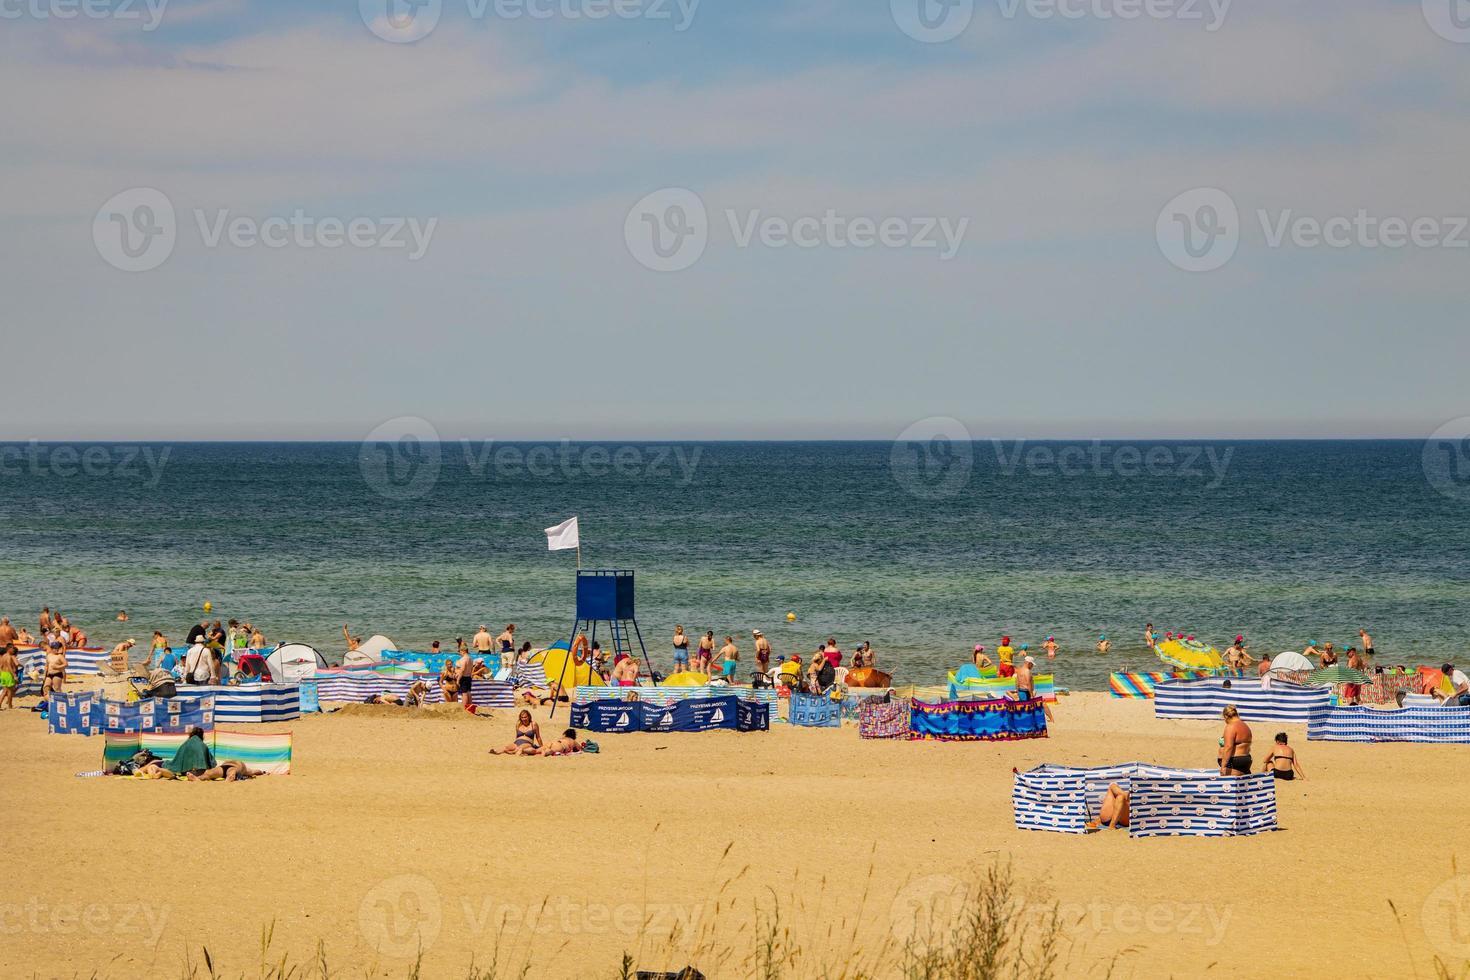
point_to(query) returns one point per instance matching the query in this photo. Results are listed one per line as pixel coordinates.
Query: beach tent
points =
(369, 651)
(291, 662)
(1291, 662)
(686, 678)
(555, 662)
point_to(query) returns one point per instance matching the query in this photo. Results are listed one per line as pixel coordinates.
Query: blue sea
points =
(923, 548)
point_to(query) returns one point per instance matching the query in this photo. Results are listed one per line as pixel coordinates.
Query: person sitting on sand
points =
(191, 759)
(56, 664)
(566, 745)
(1235, 744)
(788, 672)
(1459, 687)
(1282, 762)
(9, 676)
(1115, 809)
(24, 637)
(527, 738)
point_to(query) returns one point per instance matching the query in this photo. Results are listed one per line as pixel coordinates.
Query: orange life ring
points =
(580, 644)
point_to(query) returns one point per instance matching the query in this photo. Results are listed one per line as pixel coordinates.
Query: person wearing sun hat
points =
(1004, 654)
(981, 660)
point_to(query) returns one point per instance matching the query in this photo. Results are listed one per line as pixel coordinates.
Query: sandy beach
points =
(397, 834)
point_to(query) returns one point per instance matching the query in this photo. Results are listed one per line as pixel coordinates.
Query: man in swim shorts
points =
(9, 676)
(729, 658)
(1367, 643)
(625, 673)
(464, 678)
(7, 632)
(56, 665)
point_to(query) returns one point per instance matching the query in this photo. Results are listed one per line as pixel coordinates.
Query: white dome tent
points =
(1292, 662)
(292, 662)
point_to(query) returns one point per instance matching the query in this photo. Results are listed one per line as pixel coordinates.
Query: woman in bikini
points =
(1282, 761)
(566, 745)
(706, 652)
(230, 770)
(527, 740)
(1235, 744)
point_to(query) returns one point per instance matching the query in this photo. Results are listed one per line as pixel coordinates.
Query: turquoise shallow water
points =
(924, 550)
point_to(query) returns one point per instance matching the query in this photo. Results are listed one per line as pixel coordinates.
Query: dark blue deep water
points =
(922, 549)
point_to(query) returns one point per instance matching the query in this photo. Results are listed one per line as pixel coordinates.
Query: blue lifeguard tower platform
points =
(605, 596)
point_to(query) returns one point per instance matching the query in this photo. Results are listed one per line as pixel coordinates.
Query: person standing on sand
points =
(160, 642)
(1005, 656)
(484, 644)
(706, 652)
(729, 659)
(762, 651)
(464, 676)
(44, 620)
(681, 650)
(625, 673)
(507, 639)
(8, 635)
(56, 664)
(1235, 744)
(9, 676)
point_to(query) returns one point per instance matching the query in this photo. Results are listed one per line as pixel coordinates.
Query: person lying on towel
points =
(190, 760)
(1115, 807)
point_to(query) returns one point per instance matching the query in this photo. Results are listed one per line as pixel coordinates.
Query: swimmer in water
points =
(1103, 645)
(1050, 646)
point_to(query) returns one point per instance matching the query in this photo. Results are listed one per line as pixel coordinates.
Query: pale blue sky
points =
(528, 141)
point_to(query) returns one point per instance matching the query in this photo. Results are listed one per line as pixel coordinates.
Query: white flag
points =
(563, 536)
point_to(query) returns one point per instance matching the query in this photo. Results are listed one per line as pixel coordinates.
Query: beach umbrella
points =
(1337, 674)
